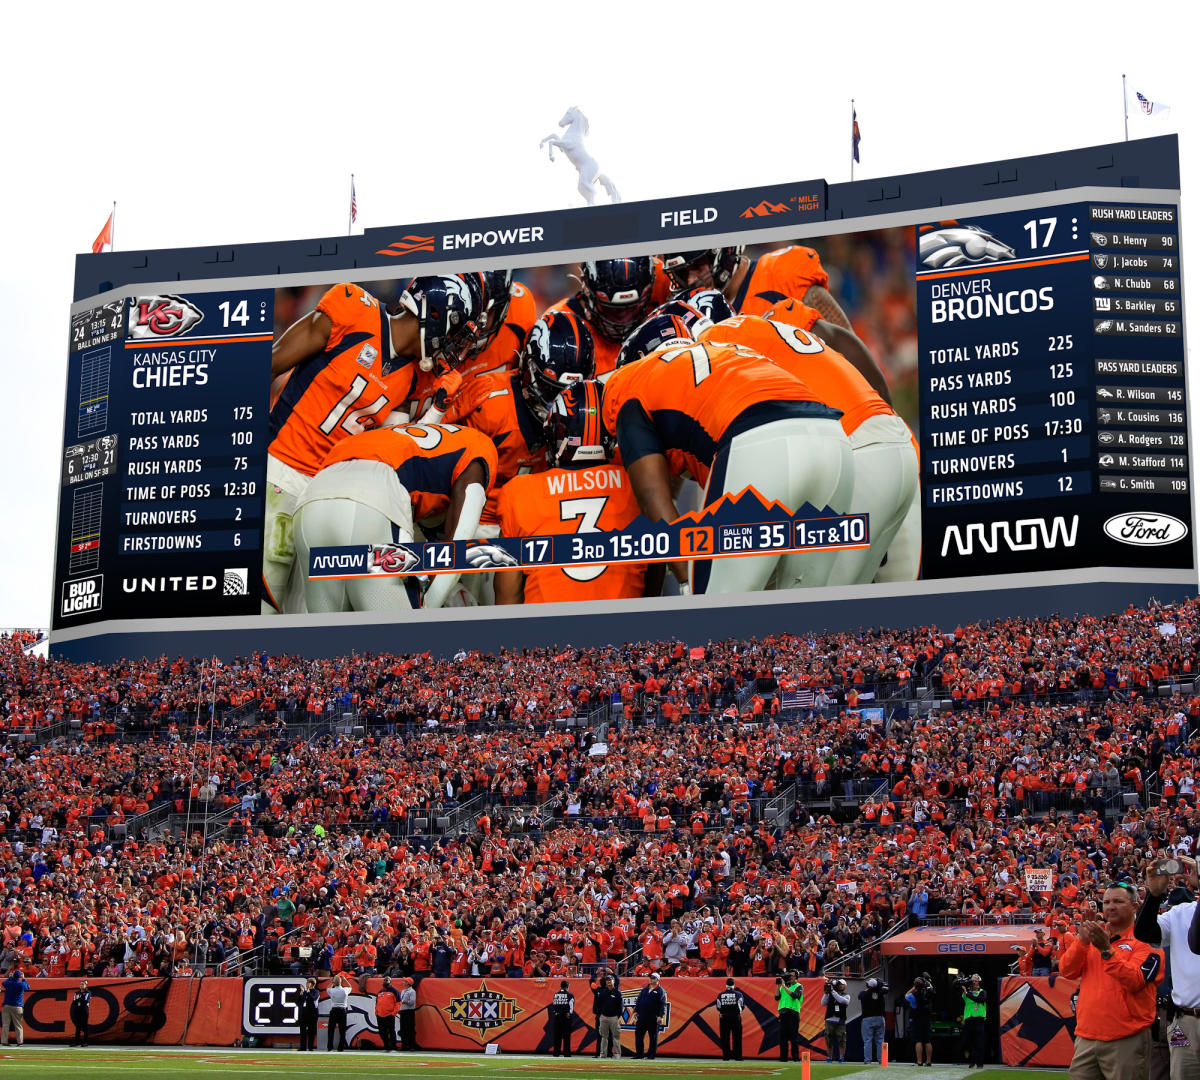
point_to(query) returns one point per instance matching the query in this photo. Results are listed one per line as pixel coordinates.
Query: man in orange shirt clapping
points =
(1118, 976)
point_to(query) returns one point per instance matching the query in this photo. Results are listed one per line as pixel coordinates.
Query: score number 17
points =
(1031, 227)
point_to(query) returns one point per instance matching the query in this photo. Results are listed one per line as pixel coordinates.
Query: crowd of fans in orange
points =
(650, 840)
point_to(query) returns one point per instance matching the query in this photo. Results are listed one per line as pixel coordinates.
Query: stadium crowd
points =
(641, 839)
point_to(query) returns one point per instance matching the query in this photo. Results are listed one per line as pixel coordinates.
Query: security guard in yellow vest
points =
(974, 1019)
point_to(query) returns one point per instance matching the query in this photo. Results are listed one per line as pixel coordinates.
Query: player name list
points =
(1059, 374)
(1137, 323)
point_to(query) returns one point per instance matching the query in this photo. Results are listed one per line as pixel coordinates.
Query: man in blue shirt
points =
(15, 988)
(651, 1004)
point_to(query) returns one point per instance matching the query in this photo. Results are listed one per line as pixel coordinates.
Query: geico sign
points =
(961, 946)
(1025, 534)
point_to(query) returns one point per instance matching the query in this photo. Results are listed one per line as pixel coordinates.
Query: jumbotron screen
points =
(693, 407)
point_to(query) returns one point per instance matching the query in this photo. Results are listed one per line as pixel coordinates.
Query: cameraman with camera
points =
(835, 999)
(790, 994)
(974, 1018)
(920, 1003)
(872, 1002)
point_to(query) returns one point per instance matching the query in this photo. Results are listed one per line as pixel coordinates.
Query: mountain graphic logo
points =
(763, 209)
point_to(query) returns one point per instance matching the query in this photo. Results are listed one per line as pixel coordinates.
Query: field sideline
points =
(35, 1063)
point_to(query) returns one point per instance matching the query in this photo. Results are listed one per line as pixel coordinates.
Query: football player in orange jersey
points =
(510, 311)
(581, 493)
(347, 364)
(731, 419)
(885, 465)
(510, 409)
(373, 488)
(753, 285)
(614, 297)
(903, 552)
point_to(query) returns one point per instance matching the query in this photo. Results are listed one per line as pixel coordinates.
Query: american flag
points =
(855, 134)
(799, 699)
(353, 202)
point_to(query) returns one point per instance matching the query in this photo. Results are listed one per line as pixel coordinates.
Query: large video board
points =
(256, 450)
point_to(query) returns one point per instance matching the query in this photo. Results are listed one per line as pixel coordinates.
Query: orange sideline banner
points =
(156, 1012)
(1037, 1020)
(467, 1014)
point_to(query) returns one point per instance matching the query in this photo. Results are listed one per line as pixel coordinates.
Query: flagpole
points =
(350, 212)
(1125, 104)
(852, 140)
(112, 231)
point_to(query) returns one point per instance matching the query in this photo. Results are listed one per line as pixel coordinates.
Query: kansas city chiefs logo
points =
(162, 316)
(393, 559)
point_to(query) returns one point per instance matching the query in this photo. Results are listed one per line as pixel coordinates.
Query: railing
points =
(464, 811)
(983, 918)
(779, 809)
(135, 825)
(865, 960)
(264, 959)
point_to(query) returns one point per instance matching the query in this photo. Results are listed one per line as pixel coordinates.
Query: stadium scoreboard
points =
(1043, 378)
(1052, 388)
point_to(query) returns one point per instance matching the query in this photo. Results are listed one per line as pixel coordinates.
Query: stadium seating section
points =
(731, 806)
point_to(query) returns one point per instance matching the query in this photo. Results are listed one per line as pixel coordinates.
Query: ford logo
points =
(1145, 530)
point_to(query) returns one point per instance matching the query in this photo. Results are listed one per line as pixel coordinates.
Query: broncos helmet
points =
(710, 302)
(654, 334)
(446, 309)
(559, 351)
(697, 321)
(496, 286)
(616, 293)
(722, 262)
(574, 431)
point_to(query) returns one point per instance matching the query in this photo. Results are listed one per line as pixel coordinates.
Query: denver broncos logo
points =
(360, 1016)
(949, 244)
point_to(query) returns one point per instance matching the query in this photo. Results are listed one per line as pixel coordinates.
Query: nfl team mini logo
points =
(237, 582)
(162, 316)
(483, 1009)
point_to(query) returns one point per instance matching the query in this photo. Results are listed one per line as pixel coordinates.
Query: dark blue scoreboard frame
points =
(167, 620)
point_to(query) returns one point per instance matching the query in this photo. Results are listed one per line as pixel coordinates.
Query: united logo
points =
(483, 1009)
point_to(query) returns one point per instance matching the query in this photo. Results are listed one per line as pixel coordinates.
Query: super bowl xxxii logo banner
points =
(483, 1009)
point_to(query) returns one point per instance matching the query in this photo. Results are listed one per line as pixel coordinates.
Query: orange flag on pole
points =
(104, 241)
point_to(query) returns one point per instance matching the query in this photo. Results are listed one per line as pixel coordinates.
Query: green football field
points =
(35, 1063)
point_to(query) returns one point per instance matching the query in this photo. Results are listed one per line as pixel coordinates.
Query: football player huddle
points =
(660, 385)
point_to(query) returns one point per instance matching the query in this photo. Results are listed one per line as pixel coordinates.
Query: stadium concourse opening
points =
(948, 954)
(198, 837)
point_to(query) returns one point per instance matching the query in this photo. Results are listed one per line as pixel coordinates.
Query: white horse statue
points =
(570, 142)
